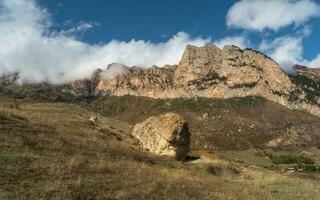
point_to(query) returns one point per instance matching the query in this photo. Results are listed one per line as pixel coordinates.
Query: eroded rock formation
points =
(212, 72)
(166, 134)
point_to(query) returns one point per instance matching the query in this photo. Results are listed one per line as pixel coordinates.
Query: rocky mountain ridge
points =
(311, 73)
(212, 72)
(209, 72)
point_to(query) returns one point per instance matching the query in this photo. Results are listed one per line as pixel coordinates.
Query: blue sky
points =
(63, 40)
(143, 19)
(157, 21)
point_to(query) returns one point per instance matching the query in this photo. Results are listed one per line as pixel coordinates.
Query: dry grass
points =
(232, 124)
(51, 151)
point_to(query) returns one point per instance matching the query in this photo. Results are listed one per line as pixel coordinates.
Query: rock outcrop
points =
(211, 72)
(206, 72)
(311, 73)
(306, 95)
(166, 134)
(149, 82)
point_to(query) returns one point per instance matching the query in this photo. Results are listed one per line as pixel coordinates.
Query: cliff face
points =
(210, 72)
(307, 92)
(149, 82)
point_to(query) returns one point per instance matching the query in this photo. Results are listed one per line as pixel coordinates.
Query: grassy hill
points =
(231, 124)
(51, 151)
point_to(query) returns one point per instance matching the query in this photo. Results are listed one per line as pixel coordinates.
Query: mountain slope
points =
(51, 151)
(223, 124)
(212, 73)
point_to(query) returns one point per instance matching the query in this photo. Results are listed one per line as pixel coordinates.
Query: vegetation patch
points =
(214, 170)
(288, 159)
(211, 79)
(279, 93)
(244, 85)
(309, 86)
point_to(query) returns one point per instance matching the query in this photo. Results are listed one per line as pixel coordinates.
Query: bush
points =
(285, 159)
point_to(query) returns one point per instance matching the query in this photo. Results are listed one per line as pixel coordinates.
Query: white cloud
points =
(315, 63)
(27, 46)
(81, 27)
(288, 51)
(271, 14)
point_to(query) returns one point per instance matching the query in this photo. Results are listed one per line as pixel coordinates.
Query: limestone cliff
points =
(211, 72)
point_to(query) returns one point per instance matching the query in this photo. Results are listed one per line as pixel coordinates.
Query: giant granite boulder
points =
(166, 134)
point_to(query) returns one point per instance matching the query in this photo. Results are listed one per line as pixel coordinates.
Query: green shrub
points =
(308, 168)
(287, 159)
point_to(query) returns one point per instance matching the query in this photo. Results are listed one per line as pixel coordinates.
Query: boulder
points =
(166, 135)
(93, 120)
(205, 116)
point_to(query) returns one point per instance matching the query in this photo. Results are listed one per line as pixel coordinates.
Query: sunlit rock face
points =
(210, 72)
(166, 135)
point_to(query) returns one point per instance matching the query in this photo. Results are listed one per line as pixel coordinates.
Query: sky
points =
(63, 40)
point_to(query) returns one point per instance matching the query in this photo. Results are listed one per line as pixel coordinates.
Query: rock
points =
(311, 73)
(166, 134)
(81, 87)
(306, 154)
(205, 116)
(252, 126)
(95, 79)
(197, 63)
(137, 81)
(93, 120)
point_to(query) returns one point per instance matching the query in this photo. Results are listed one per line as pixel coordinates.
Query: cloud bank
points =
(286, 50)
(27, 46)
(271, 14)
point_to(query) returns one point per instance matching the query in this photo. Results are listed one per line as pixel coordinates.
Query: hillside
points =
(51, 151)
(231, 124)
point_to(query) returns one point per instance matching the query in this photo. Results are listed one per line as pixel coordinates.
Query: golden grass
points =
(51, 151)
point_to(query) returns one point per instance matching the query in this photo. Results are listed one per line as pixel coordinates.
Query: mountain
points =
(206, 71)
(311, 73)
(212, 72)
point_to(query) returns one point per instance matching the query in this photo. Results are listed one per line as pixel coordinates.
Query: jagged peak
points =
(206, 46)
(114, 69)
(231, 47)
